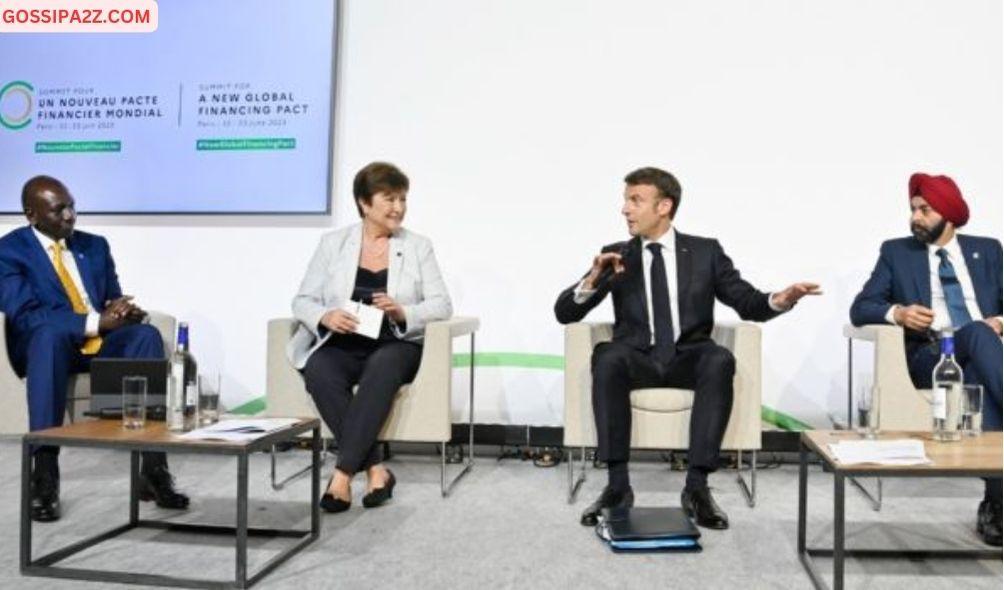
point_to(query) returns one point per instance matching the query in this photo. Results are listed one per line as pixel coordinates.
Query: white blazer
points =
(413, 280)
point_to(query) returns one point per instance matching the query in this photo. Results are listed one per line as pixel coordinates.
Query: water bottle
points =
(178, 380)
(946, 401)
(189, 376)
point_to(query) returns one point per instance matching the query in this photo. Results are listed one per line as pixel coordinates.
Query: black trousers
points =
(379, 370)
(706, 368)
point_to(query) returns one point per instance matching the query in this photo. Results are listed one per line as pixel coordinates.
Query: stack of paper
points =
(239, 430)
(880, 452)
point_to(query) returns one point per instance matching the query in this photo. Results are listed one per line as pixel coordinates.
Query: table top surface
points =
(971, 454)
(111, 433)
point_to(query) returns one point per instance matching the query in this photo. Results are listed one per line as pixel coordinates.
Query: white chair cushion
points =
(662, 399)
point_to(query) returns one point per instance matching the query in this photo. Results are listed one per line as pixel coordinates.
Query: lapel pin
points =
(976, 254)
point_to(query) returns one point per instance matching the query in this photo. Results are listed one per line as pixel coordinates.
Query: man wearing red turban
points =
(941, 280)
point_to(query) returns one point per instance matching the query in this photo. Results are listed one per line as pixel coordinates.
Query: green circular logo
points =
(17, 99)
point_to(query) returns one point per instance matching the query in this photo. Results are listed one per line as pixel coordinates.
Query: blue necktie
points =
(662, 317)
(954, 298)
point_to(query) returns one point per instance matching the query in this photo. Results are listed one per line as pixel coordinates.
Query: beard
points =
(928, 235)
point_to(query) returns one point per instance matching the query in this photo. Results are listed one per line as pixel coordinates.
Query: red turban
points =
(942, 194)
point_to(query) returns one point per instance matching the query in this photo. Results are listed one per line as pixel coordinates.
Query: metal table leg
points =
(838, 531)
(315, 484)
(133, 487)
(25, 505)
(242, 521)
(803, 500)
(444, 487)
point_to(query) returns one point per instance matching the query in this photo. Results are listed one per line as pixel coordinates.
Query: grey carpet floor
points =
(507, 525)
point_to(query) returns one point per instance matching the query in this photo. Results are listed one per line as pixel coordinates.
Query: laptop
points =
(106, 385)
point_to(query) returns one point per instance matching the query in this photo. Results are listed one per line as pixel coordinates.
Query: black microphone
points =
(608, 273)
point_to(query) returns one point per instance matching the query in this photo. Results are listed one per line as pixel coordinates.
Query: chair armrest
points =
(9, 381)
(425, 414)
(436, 366)
(736, 337)
(285, 393)
(901, 405)
(873, 332)
(744, 341)
(588, 333)
(580, 339)
(166, 324)
(456, 326)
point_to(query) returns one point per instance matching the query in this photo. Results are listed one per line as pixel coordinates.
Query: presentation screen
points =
(225, 108)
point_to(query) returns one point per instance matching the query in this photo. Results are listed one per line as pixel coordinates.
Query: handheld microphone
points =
(608, 273)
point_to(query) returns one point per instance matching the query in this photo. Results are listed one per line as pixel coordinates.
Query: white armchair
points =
(14, 418)
(421, 410)
(660, 418)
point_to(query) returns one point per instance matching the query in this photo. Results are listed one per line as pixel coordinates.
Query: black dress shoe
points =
(45, 498)
(329, 503)
(610, 498)
(988, 522)
(380, 495)
(157, 484)
(699, 505)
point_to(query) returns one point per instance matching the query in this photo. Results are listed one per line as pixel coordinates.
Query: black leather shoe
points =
(699, 505)
(610, 498)
(157, 484)
(45, 498)
(329, 503)
(380, 495)
(988, 522)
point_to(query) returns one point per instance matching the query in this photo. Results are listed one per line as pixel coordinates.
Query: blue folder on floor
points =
(648, 529)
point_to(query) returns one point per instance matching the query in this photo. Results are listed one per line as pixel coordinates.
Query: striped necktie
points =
(93, 344)
(954, 299)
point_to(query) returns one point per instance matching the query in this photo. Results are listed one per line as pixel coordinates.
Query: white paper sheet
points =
(880, 452)
(370, 318)
(238, 430)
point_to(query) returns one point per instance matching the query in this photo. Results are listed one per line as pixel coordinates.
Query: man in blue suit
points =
(63, 307)
(941, 280)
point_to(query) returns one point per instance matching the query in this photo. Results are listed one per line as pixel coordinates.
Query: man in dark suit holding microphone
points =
(941, 280)
(664, 286)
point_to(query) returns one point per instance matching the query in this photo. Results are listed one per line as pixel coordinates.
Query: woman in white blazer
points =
(379, 263)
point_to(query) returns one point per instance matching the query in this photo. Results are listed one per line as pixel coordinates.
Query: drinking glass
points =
(868, 411)
(133, 402)
(209, 398)
(972, 410)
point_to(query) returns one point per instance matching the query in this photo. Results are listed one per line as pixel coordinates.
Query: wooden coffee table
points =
(109, 434)
(970, 457)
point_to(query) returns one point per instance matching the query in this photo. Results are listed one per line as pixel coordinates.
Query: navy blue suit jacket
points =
(31, 294)
(903, 276)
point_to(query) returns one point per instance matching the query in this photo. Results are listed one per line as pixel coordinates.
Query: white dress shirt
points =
(942, 319)
(668, 243)
(93, 317)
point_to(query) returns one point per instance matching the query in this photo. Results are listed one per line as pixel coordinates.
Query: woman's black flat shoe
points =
(380, 495)
(332, 504)
(329, 503)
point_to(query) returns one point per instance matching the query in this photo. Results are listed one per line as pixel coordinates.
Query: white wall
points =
(792, 125)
